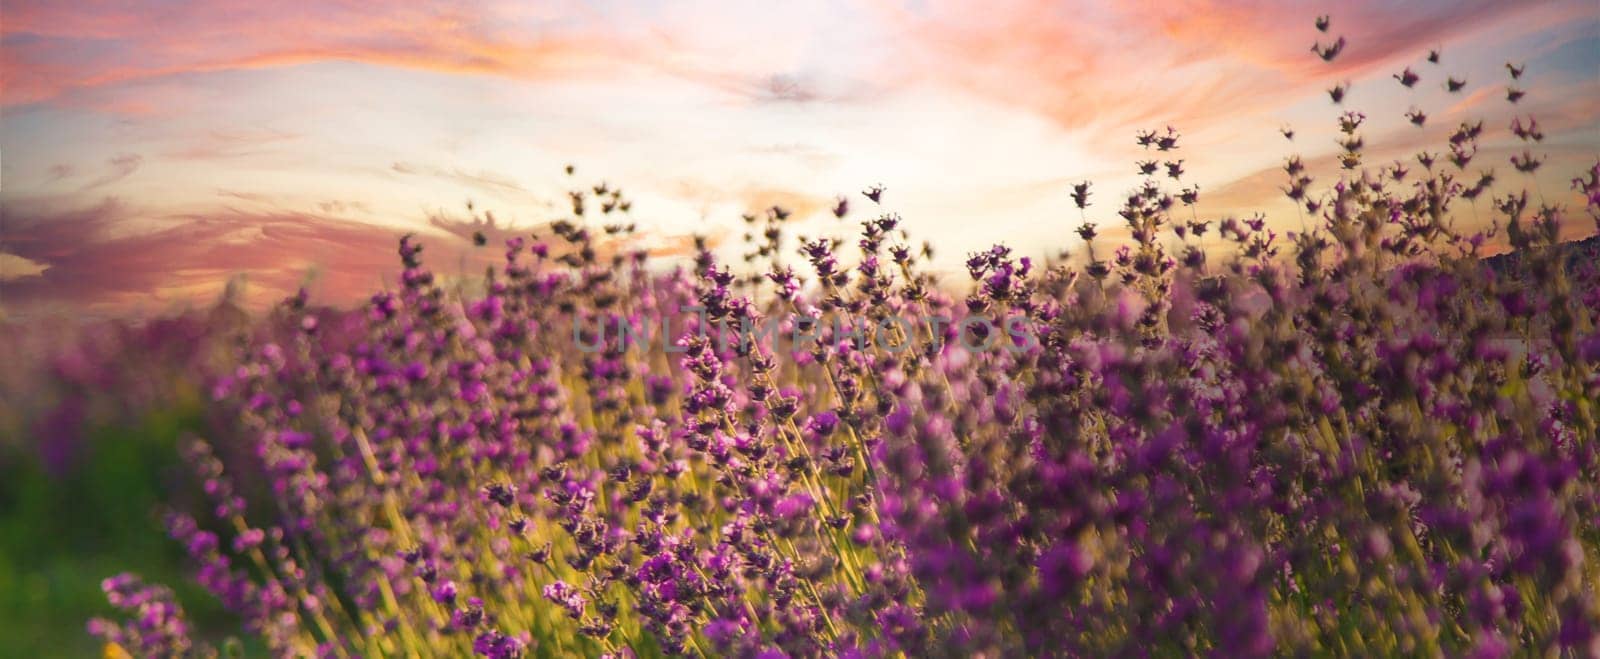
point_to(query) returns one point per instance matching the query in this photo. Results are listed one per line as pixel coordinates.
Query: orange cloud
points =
(1192, 62)
(51, 50)
(826, 92)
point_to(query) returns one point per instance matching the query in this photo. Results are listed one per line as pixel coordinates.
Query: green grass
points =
(60, 535)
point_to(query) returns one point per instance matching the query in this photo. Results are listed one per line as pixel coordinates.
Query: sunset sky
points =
(153, 149)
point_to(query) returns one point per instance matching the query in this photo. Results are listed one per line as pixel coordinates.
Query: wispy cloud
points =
(220, 144)
(52, 50)
(481, 181)
(120, 167)
(1189, 62)
(87, 263)
(253, 125)
(64, 258)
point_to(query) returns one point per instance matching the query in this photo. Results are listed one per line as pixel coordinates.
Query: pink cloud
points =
(1191, 62)
(90, 261)
(51, 49)
(1093, 71)
(90, 267)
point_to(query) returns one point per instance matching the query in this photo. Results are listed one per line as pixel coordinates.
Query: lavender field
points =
(1327, 443)
(1179, 432)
